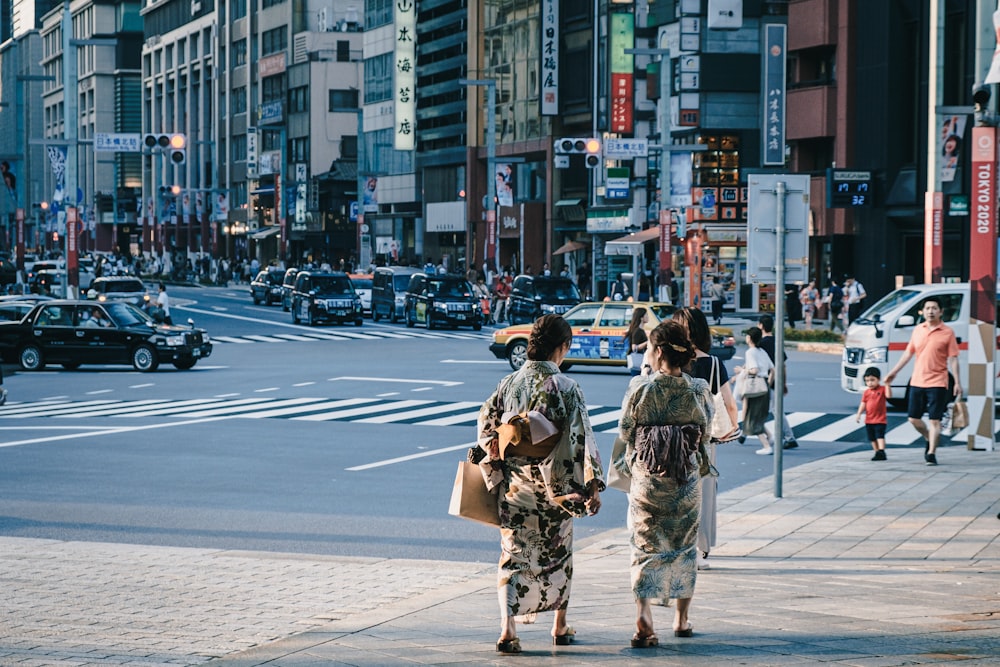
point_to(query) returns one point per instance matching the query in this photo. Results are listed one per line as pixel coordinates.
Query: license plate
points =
(341, 312)
(460, 317)
(197, 352)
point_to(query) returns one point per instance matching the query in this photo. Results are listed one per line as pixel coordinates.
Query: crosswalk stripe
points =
(130, 407)
(308, 405)
(46, 410)
(294, 337)
(249, 406)
(400, 416)
(470, 417)
(264, 339)
(341, 414)
(229, 339)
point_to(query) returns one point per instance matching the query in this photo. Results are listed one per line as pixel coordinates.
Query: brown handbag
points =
(470, 499)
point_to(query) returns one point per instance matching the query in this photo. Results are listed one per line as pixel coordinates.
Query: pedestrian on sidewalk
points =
(856, 294)
(835, 302)
(809, 298)
(766, 325)
(541, 486)
(755, 409)
(718, 295)
(664, 425)
(873, 405)
(934, 345)
(712, 370)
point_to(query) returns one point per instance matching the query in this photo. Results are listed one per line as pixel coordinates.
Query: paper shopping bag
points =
(470, 498)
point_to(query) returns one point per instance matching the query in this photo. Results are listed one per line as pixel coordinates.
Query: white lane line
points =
(47, 409)
(264, 339)
(52, 428)
(265, 390)
(401, 459)
(303, 384)
(230, 339)
(295, 337)
(473, 361)
(353, 378)
(140, 386)
(340, 414)
(309, 405)
(409, 414)
(388, 393)
(423, 389)
(129, 407)
(108, 431)
(226, 395)
(99, 391)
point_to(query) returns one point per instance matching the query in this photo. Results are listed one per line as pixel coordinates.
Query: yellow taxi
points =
(598, 328)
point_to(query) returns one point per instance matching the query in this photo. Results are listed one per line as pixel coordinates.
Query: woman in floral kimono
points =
(541, 486)
(664, 424)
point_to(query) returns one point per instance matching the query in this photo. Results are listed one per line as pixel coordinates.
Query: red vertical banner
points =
(19, 248)
(621, 103)
(664, 257)
(933, 235)
(692, 257)
(72, 230)
(279, 212)
(491, 237)
(983, 225)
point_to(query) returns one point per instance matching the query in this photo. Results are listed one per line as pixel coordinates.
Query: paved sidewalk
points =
(861, 563)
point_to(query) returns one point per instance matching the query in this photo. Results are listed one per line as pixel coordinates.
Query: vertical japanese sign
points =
(933, 221)
(550, 57)
(622, 66)
(774, 97)
(406, 78)
(983, 218)
(72, 229)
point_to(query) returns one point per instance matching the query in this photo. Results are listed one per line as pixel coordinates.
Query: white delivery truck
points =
(879, 336)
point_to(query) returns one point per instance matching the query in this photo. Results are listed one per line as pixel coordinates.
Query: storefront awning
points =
(631, 244)
(266, 232)
(570, 246)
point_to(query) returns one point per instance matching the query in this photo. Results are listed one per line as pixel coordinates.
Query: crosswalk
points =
(350, 334)
(808, 426)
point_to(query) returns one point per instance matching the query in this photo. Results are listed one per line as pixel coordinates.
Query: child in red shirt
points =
(873, 405)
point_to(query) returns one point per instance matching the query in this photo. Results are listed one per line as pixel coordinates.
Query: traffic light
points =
(174, 145)
(178, 148)
(591, 148)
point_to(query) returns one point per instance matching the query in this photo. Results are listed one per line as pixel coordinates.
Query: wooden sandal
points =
(565, 639)
(509, 646)
(649, 641)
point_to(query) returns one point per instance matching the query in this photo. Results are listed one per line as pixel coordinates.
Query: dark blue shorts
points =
(932, 400)
(875, 431)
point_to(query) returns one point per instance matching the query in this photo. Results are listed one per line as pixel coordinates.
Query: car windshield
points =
(889, 303)
(274, 278)
(446, 288)
(332, 285)
(126, 315)
(400, 282)
(123, 286)
(556, 289)
(362, 283)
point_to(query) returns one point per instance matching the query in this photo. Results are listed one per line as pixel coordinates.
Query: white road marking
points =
(140, 386)
(226, 395)
(401, 459)
(303, 384)
(304, 406)
(99, 391)
(340, 414)
(265, 389)
(473, 361)
(231, 339)
(409, 414)
(353, 378)
(107, 431)
(388, 393)
(422, 389)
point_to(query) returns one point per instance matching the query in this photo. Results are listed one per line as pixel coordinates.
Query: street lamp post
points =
(492, 232)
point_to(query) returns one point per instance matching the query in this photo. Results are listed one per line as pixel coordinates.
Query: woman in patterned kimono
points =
(664, 423)
(539, 495)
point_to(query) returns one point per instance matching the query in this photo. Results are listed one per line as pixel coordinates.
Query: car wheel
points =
(310, 320)
(374, 314)
(144, 359)
(517, 354)
(185, 364)
(31, 358)
(428, 321)
(409, 321)
(295, 314)
(477, 327)
(358, 323)
(71, 366)
(256, 301)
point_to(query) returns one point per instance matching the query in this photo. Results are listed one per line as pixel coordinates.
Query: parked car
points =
(598, 330)
(287, 285)
(442, 300)
(363, 286)
(49, 282)
(266, 286)
(389, 285)
(13, 308)
(534, 296)
(73, 333)
(119, 288)
(320, 296)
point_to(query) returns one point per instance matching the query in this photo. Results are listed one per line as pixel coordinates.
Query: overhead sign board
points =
(626, 149)
(117, 142)
(762, 223)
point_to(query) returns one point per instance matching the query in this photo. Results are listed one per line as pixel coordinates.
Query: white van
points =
(879, 336)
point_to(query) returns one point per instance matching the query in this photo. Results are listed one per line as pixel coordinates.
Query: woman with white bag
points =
(754, 383)
(636, 340)
(723, 424)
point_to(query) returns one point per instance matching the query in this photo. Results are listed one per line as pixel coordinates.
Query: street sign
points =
(617, 183)
(117, 142)
(625, 149)
(762, 222)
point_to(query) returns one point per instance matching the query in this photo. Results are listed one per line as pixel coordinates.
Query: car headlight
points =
(548, 309)
(876, 355)
(175, 341)
(441, 307)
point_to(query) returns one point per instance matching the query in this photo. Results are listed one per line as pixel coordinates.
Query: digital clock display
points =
(847, 189)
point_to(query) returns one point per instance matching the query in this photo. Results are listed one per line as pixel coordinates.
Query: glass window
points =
(616, 316)
(378, 78)
(239, 9)
(239, 100)
(951, 306)
(582, 316)
(378, 12)
(343, 100)
(274, 40)
(238, 54)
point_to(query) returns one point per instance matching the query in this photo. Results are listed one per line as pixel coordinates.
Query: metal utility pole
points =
(492, 232)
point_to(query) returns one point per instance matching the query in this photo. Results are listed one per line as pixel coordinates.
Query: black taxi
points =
(441, 300)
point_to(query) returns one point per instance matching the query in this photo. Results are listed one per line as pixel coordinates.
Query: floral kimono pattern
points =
(536, 522)
(663, 514)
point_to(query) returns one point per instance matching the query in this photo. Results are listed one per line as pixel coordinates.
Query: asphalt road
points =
(282, 442)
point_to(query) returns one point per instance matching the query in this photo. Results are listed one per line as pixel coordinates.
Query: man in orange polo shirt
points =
(936, 350)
